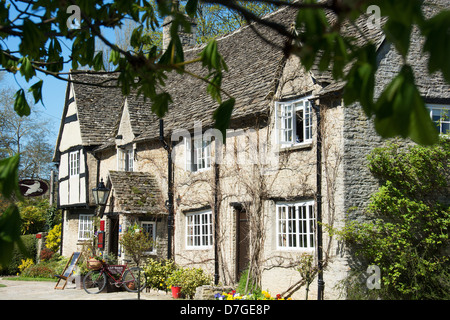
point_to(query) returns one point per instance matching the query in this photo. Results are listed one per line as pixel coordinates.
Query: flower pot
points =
(176, 292)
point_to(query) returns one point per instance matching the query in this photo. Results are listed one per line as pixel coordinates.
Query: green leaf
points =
(191, 7)
(26, 68)
(222, 116)
(20, 104)
(361, 79)
(400, 111)
(9, 176)
(98, 61)
(33, 39)
(161, 104)
(211, 57)
(437, 43)
(213, 87)
(399, 34)
(10, 234)
(36, 90)
(114, 57)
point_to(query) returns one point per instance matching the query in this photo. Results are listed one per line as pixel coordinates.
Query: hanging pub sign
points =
(32, 187)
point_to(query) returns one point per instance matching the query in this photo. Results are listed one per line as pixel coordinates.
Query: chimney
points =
(187, 39)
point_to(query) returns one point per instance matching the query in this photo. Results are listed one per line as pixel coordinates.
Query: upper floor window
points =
(293, 122)
(198, 154)
(295, 225)
(74, 163)
(199, 232)
(440, 114)
(85, 226)
(125, 160)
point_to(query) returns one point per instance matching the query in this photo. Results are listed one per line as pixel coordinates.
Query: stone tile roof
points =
(98, 107)
(253, 66)
(136, 192)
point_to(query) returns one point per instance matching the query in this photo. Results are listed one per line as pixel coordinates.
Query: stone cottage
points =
(251, 202)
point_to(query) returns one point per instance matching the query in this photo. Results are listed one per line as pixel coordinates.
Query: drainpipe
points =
(169, 202)
(216, 223)
(320, 282)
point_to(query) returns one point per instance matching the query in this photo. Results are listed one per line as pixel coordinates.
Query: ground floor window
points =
(85, 226)
(149, 228)
(295, 225)
(199, 232)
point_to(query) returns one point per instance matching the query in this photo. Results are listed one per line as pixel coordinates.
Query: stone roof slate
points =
(136, 192)
(98, 107)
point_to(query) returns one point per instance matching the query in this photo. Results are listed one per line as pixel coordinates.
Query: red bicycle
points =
(132, 279)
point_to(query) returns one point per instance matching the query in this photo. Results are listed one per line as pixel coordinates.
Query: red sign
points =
(32, 187)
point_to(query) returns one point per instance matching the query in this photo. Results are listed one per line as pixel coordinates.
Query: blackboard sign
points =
(68, 270)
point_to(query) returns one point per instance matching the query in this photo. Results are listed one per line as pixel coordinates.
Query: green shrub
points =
(157, 273)
(188, 279)
(29, 242)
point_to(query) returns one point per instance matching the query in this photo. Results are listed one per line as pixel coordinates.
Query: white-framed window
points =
(197, 154)
(293, 122)
(199, 230)
(125, 159)
(149, 228)
(74, 163)
(85, 226)
(440, 114)
(295, 225)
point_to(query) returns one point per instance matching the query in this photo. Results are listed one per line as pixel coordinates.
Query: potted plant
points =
(175, 281)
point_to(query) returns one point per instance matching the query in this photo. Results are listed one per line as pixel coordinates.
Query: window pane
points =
(295, 225)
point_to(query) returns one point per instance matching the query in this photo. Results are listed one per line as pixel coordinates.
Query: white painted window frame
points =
(144, 225)
(199, 230)
(295, 225)
(74, 163)
(440, 114)
(122, 155)
(286, 122)
(197, 154)
(85, 226)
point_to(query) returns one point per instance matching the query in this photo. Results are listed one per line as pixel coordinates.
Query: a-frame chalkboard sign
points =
(68, 270)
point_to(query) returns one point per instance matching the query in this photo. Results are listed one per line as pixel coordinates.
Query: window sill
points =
(206, 248)
(305, 250)
(297, 146)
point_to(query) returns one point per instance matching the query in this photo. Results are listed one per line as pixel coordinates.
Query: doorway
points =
(113, 235)
(242, 241)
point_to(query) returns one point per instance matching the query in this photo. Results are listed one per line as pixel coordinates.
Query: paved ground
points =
(44, 290)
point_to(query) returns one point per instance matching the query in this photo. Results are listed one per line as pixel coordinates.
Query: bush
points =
(40, 270)
(406, 227)
(29, 242)
(157, 273)
(53, 240)
(46, 269)
(26, 264)
(188, 280)
(46, 254)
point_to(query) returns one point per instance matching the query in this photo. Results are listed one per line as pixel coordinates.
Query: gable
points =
(125, 131)
(70, 134)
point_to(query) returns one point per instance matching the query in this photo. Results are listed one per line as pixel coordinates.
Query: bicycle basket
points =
(94, 264)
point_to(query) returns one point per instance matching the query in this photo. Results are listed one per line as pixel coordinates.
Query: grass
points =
(20, 278)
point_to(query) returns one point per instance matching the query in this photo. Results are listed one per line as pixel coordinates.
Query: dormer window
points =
(125, 158)
(293, 122)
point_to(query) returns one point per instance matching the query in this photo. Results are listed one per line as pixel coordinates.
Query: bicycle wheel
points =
(132, 281)
(94, 281)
